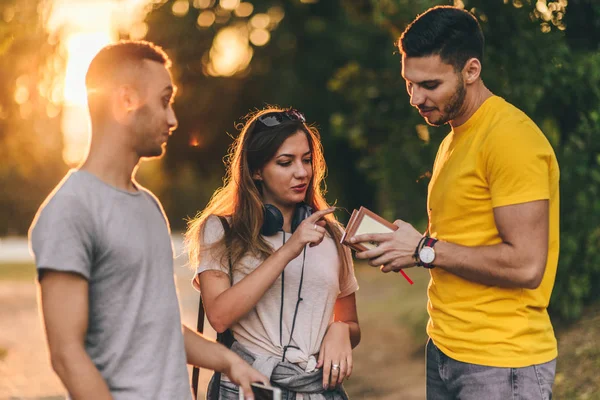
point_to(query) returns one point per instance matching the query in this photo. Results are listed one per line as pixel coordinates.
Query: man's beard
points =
(145, 126)
(453, 109)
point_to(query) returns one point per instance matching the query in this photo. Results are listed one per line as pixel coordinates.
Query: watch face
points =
(427, 255)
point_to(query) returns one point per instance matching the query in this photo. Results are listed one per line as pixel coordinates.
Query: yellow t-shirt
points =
(498, 157)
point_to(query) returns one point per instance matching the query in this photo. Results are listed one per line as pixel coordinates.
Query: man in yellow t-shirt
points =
(493, 236)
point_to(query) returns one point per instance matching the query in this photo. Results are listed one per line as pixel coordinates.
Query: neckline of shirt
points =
(138, 192)
(477, 115)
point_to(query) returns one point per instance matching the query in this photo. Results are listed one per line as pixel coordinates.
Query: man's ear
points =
(126, 99)
(472, 70)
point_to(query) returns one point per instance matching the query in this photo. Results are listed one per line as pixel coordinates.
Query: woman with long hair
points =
(269, 262)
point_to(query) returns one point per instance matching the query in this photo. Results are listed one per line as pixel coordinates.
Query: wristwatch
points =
(427, 253)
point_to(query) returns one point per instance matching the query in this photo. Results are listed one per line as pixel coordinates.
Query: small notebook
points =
(363, 221)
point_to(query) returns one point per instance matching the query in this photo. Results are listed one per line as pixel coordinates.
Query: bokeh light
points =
(244, 10)
(260, 37)
(229, 4)
(201, 4)
(138, 31)
(260, 21)
(205, 19)
(181, 7)
(230, 52)
(276, 14)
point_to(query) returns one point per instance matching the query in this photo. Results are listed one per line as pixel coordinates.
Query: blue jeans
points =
(454, 380)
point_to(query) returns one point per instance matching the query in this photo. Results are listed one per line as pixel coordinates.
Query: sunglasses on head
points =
(275, 118)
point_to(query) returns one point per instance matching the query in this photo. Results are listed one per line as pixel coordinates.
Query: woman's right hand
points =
(310, 231)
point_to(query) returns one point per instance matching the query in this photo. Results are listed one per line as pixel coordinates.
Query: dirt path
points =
(24, 369)
(388, 363)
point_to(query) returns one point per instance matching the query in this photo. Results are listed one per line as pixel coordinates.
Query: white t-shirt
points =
(258, 330)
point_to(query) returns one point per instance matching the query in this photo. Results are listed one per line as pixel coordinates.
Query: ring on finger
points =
(315, 227)
(335, 367)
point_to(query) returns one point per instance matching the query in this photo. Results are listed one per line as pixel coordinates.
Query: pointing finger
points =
(317, 215)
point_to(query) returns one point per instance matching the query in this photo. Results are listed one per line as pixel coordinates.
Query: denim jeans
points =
(454, 380)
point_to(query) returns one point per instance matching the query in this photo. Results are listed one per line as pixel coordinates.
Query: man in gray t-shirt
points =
(103, 250)
(119, 242)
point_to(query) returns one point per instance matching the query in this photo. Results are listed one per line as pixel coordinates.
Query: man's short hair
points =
(452, 33)
(107, 67)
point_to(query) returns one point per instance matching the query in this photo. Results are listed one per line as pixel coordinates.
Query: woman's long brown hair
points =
(240, 197)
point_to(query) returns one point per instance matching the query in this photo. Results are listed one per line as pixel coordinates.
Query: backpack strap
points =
(227, 230)
(225, 337)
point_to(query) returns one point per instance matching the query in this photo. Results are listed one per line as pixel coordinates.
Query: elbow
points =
(60, 362)
(532, 283)
(356, 340)
(532, 279)
(218, 323)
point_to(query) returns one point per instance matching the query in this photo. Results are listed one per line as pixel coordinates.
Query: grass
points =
(578, 364)
(17, 271)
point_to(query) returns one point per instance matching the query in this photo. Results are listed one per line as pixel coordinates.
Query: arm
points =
(343, 334)
(64, 304)
(226, 304)
(208, 354)
(345, 313)
(519, 261)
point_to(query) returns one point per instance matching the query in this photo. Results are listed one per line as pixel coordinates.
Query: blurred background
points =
(334, 60)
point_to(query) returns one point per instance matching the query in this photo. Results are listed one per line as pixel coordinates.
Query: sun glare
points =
(86, 27)
(81, 48)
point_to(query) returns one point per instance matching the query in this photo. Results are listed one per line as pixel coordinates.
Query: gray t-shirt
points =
(119, 241)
